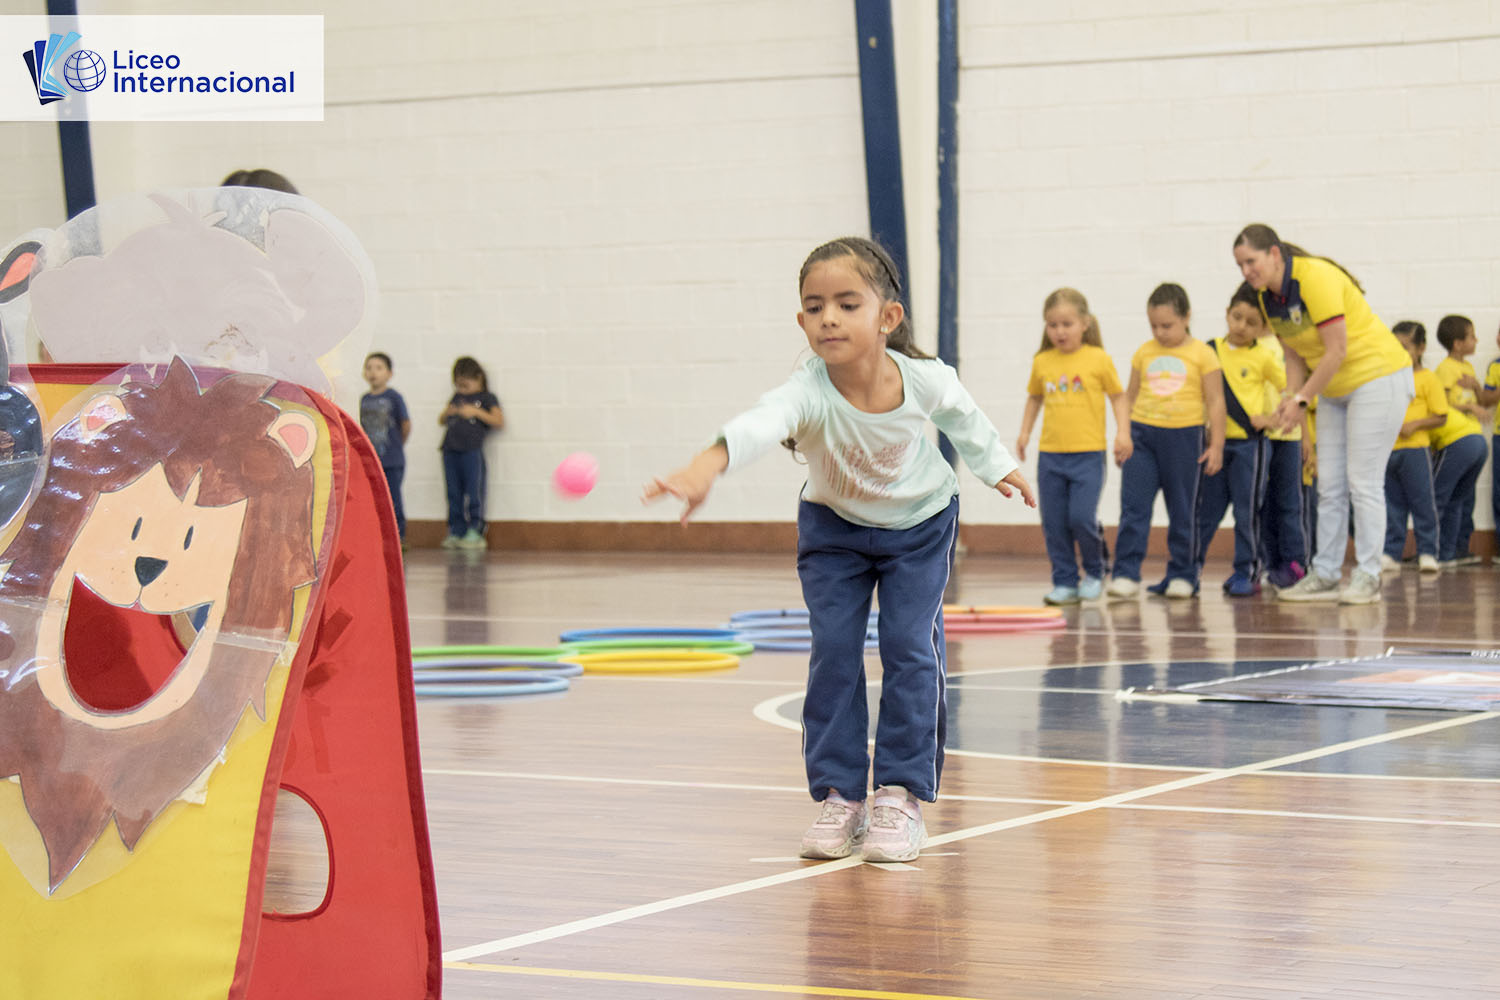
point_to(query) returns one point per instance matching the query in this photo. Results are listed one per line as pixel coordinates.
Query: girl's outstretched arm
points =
(691, 483)
(1018, 481)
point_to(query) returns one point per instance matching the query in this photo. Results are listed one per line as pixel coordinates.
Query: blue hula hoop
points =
(496, 665)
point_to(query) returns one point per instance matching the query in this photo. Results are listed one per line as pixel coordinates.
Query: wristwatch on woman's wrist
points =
(1301, 400)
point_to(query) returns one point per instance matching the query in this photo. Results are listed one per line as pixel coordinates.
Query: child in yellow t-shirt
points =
(1175, 389)
(1249, 369)
(1487, 395)
(1408, 472)
(1459, 445)
(1071, 378)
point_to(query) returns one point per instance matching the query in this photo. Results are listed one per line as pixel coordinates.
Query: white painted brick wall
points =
(607, 201)
(1112, 146)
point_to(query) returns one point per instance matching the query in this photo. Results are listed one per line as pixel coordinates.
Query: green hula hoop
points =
(508, 652)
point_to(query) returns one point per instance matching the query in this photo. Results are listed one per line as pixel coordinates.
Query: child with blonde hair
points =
(1072, 378)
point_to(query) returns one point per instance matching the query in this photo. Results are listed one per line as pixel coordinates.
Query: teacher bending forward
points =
(1338, 350)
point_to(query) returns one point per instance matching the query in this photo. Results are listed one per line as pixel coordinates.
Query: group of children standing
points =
(471, 413)
(1196, 423)
(1437, 460)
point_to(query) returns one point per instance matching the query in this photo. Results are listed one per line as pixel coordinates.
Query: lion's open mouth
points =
(116, 659)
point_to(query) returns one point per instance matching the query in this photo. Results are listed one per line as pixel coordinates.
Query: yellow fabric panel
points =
(1327, 293)
(167, 924)
(1429, 401)
(1458, 424)
(1075, 390)
(1171, 383)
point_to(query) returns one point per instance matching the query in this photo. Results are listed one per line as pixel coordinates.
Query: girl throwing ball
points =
(879, 512)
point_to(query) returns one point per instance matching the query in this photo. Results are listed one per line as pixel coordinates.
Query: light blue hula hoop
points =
(588, 634)
(774, 640)
(489, 665)
(492, 689)
(502, 675)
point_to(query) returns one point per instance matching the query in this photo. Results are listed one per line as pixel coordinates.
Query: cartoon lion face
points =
(149, 595)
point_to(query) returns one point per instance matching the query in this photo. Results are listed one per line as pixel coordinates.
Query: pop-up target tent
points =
(202, 613)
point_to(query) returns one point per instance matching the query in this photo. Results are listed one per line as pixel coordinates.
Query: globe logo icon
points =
(84, 70)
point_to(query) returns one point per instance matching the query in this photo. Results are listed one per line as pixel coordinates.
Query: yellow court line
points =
(720, 984)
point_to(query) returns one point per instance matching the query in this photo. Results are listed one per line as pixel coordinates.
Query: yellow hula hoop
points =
(1002, 610)
(654, 661)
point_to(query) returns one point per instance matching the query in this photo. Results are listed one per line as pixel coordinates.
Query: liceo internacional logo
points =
(83, 70)
(161, 67)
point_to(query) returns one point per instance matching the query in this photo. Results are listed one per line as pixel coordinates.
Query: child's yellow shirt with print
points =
(1075, 390)
(1171, 383)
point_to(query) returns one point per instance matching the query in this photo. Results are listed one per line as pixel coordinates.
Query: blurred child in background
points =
(1248, 368)
(383, 415)
(1459, 443)
(1408, 472)
(1175, 391)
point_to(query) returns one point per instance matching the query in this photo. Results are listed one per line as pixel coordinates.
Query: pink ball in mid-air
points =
(576, 475)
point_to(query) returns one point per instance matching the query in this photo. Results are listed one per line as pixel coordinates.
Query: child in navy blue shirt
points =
(470, 415)
(382, 413)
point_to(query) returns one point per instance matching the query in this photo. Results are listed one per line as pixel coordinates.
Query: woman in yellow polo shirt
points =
(1338, 350)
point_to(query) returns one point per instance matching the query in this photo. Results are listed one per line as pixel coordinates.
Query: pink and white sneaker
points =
(838, 830)
(897, 832)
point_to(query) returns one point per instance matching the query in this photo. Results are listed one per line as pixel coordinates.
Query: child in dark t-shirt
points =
(382, 414)
(470, 415)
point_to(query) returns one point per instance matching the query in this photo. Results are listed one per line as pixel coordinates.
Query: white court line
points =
(706, 785)
(767, 712)
(828, 867)
(1293, 814)
(1201, 779)
(800, 790)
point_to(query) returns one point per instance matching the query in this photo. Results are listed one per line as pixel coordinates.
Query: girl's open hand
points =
(682, 484)
(691, 483)
(1018, 481)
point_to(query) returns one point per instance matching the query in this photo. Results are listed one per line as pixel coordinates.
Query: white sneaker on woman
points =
(1363, 589)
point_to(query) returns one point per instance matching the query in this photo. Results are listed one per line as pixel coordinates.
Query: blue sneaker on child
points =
(1241, 585)
(1090, 589)
(1062, 595)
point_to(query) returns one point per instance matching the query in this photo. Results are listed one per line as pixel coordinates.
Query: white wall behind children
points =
(1112, 147)
(606, 201)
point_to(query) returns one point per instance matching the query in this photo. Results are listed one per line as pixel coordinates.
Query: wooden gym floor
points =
(636, 836)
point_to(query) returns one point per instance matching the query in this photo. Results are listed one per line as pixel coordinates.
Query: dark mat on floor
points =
(1449, 680)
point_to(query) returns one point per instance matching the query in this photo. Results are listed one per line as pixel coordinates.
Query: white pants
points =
(1355, 433)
